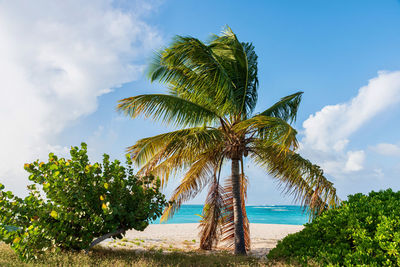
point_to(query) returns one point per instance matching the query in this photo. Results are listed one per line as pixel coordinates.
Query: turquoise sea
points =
(278, 214)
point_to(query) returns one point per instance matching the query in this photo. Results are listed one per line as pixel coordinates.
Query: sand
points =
(184, 237)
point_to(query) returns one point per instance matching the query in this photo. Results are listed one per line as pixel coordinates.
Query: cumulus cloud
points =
(57, 58)
(355, 160)
(387, 149)
(378, 173)
(327, 133)
(331, 127)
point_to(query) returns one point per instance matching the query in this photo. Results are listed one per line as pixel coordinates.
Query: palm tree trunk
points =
(240, 247)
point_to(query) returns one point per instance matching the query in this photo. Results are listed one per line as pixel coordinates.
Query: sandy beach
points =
(184, 237)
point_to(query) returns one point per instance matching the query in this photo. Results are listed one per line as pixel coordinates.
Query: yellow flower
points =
(17, 239)
(106, 185)
(101, 198)
(26, 165)
(104, 206)
(54, 214)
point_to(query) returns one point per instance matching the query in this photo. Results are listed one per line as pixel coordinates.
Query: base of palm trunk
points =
(240, 251)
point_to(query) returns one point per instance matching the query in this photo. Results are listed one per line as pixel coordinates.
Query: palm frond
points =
(195, 179)
(286, 108)
(192, 71)
(169, 109)
(241, 62)
(297, 176)
(269, 130)
(212, 219)
(228, 228)
(250, 95)
(186, 143)
(169, 167)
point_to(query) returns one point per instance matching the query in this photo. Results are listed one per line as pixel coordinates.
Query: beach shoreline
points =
(184, 237)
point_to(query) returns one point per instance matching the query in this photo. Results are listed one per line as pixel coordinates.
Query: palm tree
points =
(211, 99)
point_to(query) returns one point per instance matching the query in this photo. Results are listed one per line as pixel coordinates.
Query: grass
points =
(121, 257)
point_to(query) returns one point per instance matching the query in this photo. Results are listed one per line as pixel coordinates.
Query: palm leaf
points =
(297, 176)
(167, 108)
(167, 154)
(269, 130)
(192, 71)
(195, 179)
(250, 95)
(241, 63)
(286, 108)
(186, 143)
(228, 228)
(211, 223)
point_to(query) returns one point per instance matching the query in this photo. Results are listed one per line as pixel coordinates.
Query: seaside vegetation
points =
(125, 257)
(213, 91)
(362, 231)
(73, 204)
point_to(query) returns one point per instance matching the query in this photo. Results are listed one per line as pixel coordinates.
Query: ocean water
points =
(279, 214)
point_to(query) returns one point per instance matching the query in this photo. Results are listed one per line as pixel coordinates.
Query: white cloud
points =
(387, 149)
(355, 160)
(327, 133)
(337, 163)
(57, 58)
(331, 127)
(378, 173)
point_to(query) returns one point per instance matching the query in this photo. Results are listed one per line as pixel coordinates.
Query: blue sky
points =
(62, 79)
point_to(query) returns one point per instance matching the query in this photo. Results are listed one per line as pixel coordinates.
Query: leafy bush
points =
(81, 202)
(364, 230)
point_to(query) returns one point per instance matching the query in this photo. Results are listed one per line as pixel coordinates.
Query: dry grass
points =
(121, 257)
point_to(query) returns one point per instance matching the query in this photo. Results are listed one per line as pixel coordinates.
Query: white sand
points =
(173, 237)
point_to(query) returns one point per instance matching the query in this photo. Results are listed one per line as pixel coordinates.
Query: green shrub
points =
(81, 202)
(364, 230)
